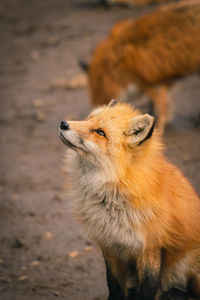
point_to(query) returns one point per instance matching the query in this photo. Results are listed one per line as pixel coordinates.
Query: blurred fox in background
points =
(151, 52)
(131, 2)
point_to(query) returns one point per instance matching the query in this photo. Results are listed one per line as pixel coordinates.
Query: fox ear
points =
(141, 128)
(113, 102)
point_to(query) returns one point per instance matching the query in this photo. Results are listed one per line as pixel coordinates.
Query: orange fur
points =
(151, 52)
(161, 207)
(138, 2)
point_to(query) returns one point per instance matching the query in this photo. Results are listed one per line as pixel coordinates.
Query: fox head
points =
(110, 138)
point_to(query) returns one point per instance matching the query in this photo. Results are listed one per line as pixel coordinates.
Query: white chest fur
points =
(105, 213)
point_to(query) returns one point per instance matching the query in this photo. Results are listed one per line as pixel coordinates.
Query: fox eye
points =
(100, 132)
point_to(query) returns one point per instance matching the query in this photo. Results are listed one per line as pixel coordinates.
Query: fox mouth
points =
(65, 141)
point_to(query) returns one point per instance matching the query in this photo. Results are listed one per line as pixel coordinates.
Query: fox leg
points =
(162, 106)
(174, 294)
(115, 275)
(132, 281)
(115, 290)
(193, 290)
(149, 268)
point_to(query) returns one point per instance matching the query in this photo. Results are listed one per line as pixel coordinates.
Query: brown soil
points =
(41, 42)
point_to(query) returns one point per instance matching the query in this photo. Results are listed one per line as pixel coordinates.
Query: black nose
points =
(64, 125)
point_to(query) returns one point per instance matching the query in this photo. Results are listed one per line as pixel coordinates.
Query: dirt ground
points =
(43, 251)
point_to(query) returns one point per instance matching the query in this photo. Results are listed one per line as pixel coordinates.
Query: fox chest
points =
(111, 222)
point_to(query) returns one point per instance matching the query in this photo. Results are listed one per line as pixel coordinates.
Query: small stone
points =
(79, 81)
(38, 103)
(56, 293)
(74, 254)
(40, 116)
(34, 263)
(88, 248)
(23, 268)
(22, 278)
(48, 235)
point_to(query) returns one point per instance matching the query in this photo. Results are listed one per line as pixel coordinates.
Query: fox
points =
(139, 208)
(130, 2)
(150, 52)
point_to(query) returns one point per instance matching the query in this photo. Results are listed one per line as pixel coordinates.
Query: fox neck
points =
(134, 182)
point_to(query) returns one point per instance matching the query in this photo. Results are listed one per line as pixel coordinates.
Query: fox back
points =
(132, 2)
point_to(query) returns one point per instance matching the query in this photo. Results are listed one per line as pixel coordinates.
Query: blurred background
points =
(43, 251)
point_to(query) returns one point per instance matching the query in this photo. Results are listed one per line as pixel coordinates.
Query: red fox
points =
(131, 2)
(151, 52)
(139, 208)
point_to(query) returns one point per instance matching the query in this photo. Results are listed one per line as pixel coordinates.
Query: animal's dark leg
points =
(115, 291)
(132, 281)
(174, 294)
(149, 286)
(149, 268)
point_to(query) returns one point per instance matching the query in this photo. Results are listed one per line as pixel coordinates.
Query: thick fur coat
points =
(139, 208)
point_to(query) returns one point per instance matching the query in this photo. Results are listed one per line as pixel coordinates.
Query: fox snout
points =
(71, 137)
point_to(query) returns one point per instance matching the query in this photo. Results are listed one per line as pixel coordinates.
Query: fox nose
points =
(64, 125)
